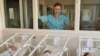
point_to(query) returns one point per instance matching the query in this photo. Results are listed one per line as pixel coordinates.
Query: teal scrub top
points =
(55, 23)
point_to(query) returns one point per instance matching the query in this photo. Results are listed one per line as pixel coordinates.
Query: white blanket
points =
(8, 52)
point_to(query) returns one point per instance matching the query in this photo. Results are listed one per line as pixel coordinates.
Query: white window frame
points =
(36, 16)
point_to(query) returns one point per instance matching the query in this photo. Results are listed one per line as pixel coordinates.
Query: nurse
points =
(57, 20)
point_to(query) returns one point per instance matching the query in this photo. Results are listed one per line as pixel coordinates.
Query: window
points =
(56, 14)
(27, 14)
(90, 15)
(12, 13)
(18, 13)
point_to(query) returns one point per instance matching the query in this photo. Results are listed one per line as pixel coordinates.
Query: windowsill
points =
(49, 30)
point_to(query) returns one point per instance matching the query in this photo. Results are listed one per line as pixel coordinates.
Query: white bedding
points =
(18, 44)
(23, 51)
(8, 52)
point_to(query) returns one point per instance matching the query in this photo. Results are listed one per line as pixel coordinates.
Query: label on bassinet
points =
(24, 38)
(89, 42)
(56, 41)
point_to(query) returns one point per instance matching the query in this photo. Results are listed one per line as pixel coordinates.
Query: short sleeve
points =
(66, 20)
(43, 18)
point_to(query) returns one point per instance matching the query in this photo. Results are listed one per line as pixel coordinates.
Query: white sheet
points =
(8, 52)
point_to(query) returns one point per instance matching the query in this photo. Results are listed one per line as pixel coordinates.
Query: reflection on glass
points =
(27, 14)
(57, 15)
(12, 13)
(30, 14)
(13, 10)
(90, 15)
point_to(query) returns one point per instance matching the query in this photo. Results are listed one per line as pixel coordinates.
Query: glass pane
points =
(56, 14)
(12, 15)
(27, 14)
(90, 15)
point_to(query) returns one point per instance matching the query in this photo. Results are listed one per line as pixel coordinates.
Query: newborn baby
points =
(9, 52)
(47, 53)
(51, 53)
(88, 54)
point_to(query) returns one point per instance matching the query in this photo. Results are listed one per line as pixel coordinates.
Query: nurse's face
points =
(57, 10)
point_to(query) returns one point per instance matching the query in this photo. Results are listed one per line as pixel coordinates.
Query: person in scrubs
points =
(57, 20)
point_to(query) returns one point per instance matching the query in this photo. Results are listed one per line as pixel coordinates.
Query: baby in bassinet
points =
(51, 53)
(88, 54)
(47, 53)
(10, 51)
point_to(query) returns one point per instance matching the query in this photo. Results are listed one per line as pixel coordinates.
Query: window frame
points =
(35, 17)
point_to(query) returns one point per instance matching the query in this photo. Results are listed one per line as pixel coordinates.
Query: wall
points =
(1, 23)
(1, 36)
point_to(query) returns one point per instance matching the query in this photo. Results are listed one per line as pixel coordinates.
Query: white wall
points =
(0, 37)
(1, 19)
(2, 16)
(0, 29)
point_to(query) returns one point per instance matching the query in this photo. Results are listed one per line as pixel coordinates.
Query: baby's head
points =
(48, 52)
(14, 48)
(88, 54)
